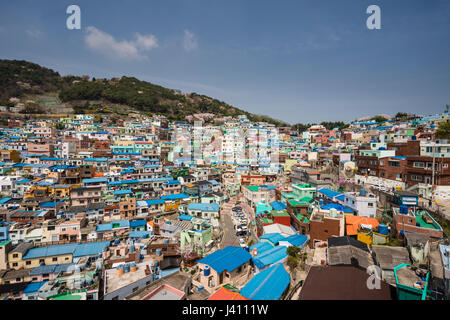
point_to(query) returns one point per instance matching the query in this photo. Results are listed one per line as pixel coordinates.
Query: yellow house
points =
(365, 237)
(26, 257)
(15, 255)
(54, 259)
(62, 190)
(173, 201)
(37, 191)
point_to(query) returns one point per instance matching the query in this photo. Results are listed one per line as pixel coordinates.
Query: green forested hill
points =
(18, 78)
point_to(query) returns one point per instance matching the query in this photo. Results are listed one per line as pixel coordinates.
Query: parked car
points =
(241, 234)
(242, 243)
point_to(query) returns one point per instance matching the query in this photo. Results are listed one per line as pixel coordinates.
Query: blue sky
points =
(297, 61)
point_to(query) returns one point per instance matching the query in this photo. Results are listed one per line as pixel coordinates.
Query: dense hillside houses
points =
(143, 208)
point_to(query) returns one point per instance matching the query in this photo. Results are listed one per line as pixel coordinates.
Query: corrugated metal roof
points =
(278, 205)
(55, 268)
(267, 285)
(228, 259)
(137, 223)
(90, 249)
(272, 237)
(204, 206)
(34, 286)
(270, 256)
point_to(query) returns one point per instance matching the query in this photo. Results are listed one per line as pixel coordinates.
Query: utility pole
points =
(432, 171)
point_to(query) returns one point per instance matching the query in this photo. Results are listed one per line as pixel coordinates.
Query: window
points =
(28, 262)
(115, 298)
(55, 259)
(370, 204)
(418, 165)
(135, 289)
(416, 178)
(15, 255)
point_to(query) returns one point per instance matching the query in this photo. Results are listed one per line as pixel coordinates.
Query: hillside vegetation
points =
(20, 78)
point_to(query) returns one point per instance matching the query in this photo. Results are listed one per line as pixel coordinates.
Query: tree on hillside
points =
(379, 119)
(401, 116)
(443, 131)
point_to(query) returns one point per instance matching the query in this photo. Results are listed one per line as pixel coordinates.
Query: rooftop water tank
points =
(383, 229)
(126, 268)
(403, 209)
(363, 192)
(333, 212)
(206, 271)
(116, 242)
(131, 247)
(200, 287)
(120, 270)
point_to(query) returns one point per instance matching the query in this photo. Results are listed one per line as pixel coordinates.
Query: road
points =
(229, 234)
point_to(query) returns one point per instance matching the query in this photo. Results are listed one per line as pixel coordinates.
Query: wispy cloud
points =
(190, 41)
(106, 44)
(34, 33)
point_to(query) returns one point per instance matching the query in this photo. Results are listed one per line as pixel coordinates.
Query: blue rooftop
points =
(139, 234)
(228, 259)
(94, 180)
(175, 196)
(329, 193)
(185, 217)
(34, 287)
(262, 246)
(204, 206)
(117, 224)
(154, 201)
(54, 268)
(137, 223)
(267, 285)
(297, 240)
(120, 192)
(337, 206)
(272, 237)
(278, 205)
(270, 256)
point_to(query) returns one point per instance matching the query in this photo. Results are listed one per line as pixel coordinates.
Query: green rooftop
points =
(4, 243)
(280, 213)
(74, 295)
(295, 203)
(306, 199)
(288, 195)
(266, 220)
(423, 223)
(253, 188)
(300, 217)
(303, 186)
